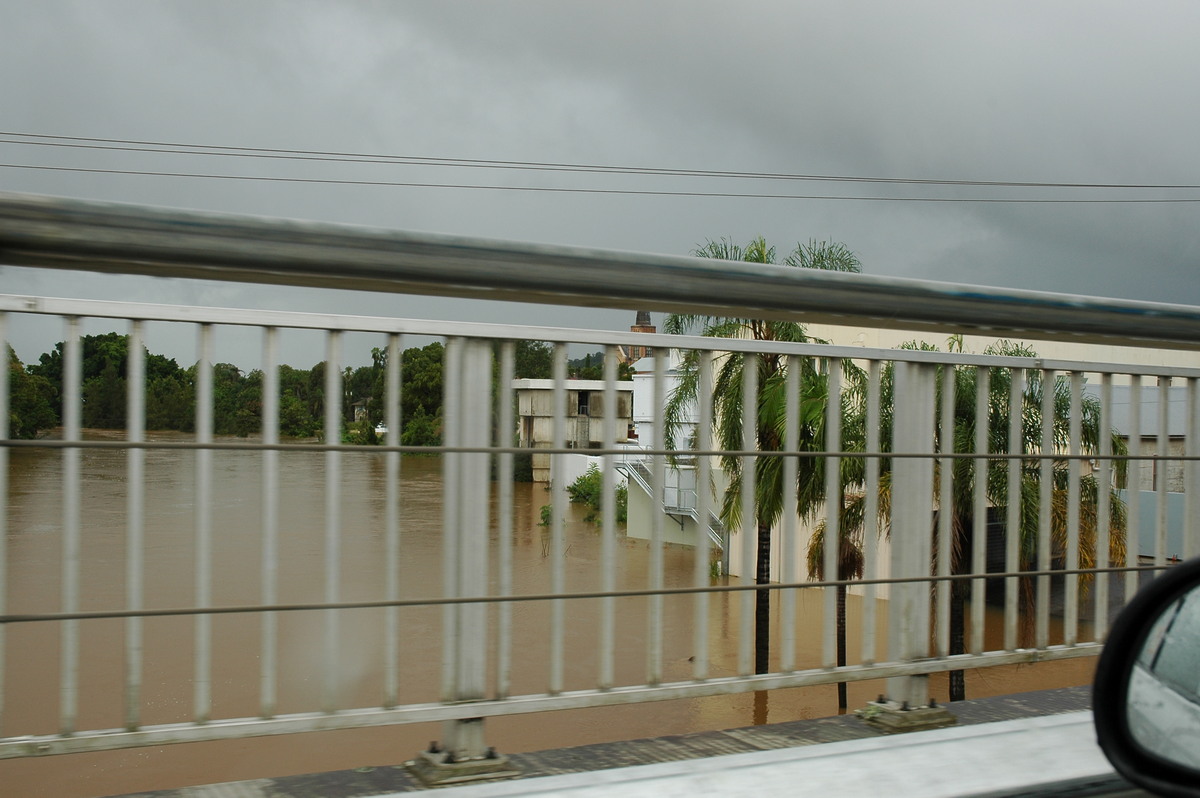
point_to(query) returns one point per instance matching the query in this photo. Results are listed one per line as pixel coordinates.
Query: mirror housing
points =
(1130, 633)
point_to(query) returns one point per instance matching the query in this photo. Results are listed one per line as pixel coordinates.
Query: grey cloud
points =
(1072, 92)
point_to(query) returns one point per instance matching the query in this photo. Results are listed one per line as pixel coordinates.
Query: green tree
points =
(169, 389)
(422, 429)
(236, 409)
(297, 400)
(170, 395)
(104, 399)
(171, 401)
(103, 377)
(421, 395)
(360, 387)
(588, 367)
(533, 360)
(31, 399)
(852, 522)
(771, 411)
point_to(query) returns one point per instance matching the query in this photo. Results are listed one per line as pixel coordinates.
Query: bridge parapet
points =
(932, 457)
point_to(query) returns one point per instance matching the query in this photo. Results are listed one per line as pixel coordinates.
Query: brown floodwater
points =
(32, 651)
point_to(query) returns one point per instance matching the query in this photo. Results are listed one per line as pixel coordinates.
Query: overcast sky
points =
(1060, 92)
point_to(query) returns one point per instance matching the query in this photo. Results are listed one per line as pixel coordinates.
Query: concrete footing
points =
(893, 717)
(432, 769)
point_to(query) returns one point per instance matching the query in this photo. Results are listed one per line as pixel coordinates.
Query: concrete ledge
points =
(1029, 753)
(608, 760)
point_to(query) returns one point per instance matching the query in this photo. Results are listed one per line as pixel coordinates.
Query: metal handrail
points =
(131, 239)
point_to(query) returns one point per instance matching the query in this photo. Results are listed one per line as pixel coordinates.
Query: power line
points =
(567, 190)
(215, 150)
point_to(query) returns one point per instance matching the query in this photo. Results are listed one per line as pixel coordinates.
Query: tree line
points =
(36, 392)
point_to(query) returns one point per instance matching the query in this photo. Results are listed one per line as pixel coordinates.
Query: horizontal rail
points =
(242, 317)
(509, 599)
(426, 450)
(130, 239)
(225, 729)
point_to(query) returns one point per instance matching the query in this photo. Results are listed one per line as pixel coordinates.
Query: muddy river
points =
(32, 651)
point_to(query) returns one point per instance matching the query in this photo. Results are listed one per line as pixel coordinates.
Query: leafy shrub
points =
(588, 489)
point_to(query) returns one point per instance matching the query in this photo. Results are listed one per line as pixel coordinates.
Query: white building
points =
(680, 522)
(584, 417)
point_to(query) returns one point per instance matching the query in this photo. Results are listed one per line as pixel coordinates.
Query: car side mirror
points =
(1146, 697)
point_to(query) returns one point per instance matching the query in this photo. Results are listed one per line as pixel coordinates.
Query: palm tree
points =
(996, 489)
(771, 407)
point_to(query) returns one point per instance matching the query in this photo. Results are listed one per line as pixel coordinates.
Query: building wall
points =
(1051, 349)
(675, 529)
(584, 427)
(1145, 474)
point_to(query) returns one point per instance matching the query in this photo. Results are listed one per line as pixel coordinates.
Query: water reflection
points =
(35, 551)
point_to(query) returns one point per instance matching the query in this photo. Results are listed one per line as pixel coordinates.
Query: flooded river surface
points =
(32, 651)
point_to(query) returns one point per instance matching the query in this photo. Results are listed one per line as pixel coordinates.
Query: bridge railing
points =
(924, 451)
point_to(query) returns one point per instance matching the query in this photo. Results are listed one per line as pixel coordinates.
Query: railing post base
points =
(893, 717)
(440, 768)
(462, 757)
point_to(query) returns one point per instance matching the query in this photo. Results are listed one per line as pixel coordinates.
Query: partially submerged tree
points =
(853, 524)
(770, 413)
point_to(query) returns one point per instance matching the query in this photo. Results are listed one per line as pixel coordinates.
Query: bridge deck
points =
(386, 779)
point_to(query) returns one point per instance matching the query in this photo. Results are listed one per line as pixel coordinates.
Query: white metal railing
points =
(898, 483)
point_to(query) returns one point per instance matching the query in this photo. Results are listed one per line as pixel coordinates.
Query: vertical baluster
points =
(1074, 473)
(269, 656)
(452, 412)
(474, 543)
(945, 509)
(659, 479)
(979, 513)
(912, 509)
(790, 549)
(4, 433)
(1104, 505)
(1162, 467)
(1045, 495)
(1133, 486)
(504, 542)
(703, 512)
(72, 410)
(135, 395)
(203, 533)
(392, 420)
(608, 526)
(749, 527)
(1191, 473)
(464, 738)
(871, 513)
(1012, 531)
(833, 505)
(558, 502)
(333, 512)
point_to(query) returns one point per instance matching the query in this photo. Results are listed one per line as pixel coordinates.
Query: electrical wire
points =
(176, 148)
(142, 146)
(597, 191)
